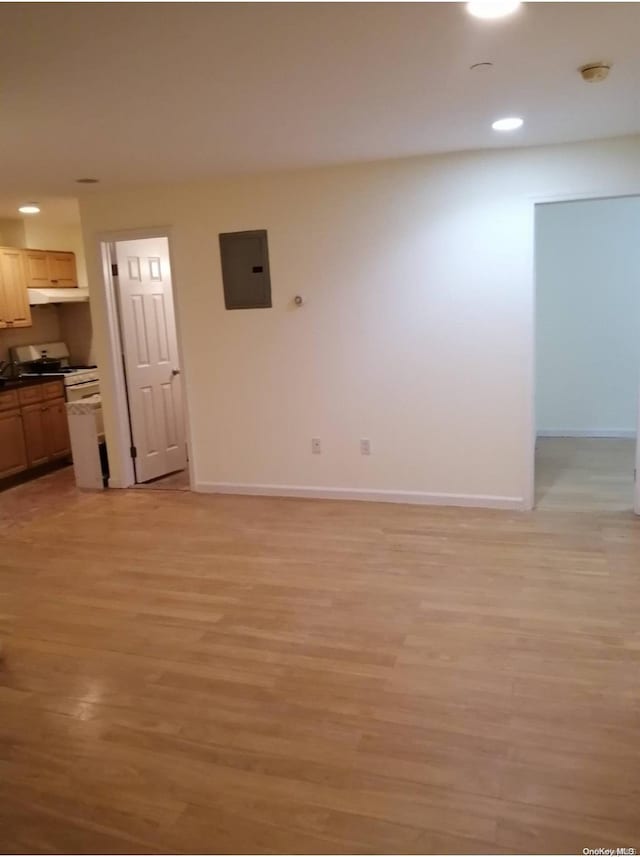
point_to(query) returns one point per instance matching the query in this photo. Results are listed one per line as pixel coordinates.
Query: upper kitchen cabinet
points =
(36, 269)
(14, 298)
(62, 269)
(50, 269)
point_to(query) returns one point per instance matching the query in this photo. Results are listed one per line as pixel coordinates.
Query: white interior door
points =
(150, 349)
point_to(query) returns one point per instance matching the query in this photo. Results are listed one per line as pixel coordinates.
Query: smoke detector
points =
(595, 72)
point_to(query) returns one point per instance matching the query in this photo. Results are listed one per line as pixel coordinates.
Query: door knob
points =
(175, 372)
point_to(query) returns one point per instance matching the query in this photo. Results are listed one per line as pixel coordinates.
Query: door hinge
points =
(134, 452)
(114, 270)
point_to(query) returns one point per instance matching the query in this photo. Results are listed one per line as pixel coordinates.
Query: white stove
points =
(70, 376)
(79, 381)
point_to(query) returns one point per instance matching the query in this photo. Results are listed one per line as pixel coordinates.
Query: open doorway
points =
(587, 353)
(146, 338)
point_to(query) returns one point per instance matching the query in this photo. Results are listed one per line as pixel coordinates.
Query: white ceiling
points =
(54, 209)
(142, 92)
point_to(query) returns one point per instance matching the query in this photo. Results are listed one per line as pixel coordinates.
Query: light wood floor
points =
(178, 481)
(585, 474)
(233, 674)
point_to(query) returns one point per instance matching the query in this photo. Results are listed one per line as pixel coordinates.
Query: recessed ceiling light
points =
(87, 181)
(29, 209)
(509, 123)
(491, 8)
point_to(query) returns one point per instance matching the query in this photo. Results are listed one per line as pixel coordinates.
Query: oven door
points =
(75, 392)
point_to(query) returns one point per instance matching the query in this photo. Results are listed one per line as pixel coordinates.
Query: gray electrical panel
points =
(245, 269)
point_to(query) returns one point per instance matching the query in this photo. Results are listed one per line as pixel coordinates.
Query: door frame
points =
(122, 440)
(532, 434)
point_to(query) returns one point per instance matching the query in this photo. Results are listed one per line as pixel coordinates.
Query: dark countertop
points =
(19, 383)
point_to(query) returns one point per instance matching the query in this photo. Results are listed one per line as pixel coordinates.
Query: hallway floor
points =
(585, 474)
(178, 481)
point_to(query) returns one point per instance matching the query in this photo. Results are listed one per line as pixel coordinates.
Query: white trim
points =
(123, 437)
(628, 433)
(376, 496)
(636, 484)
(530, 436)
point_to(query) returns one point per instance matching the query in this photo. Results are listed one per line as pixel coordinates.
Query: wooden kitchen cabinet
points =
(14, 298)
(36, 269)
(57, 429)
(62, 269)
(13, 454)
(9, 400)
(50, 269)
(46, 430)
(35, 433)
(33, 427)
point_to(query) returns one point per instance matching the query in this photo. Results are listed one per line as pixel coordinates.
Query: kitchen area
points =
(46, 355)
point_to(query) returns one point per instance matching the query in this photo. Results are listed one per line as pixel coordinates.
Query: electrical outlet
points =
(316, 447)
(365, 446)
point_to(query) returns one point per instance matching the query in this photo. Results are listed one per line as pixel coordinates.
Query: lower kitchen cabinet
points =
(33, 427)
(46, 431)
(13, 453)
(35, 433)
(57, 429)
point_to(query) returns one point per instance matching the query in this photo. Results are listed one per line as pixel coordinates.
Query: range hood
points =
(37, 297)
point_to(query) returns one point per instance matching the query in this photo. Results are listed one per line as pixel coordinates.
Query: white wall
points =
(417, 328)
(588, 316)
(77, 331)
(12, 232)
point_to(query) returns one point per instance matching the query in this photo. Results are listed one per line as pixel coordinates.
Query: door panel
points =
(57, 429)
(62, 269)
(13, 455)
(169, 416)
(162, 335)
(35, 433)
(151, 356)
(150, 422)
(13, 289)
(36, 269)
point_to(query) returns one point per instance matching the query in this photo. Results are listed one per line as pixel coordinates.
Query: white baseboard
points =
(410, 497)
(625, 433)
